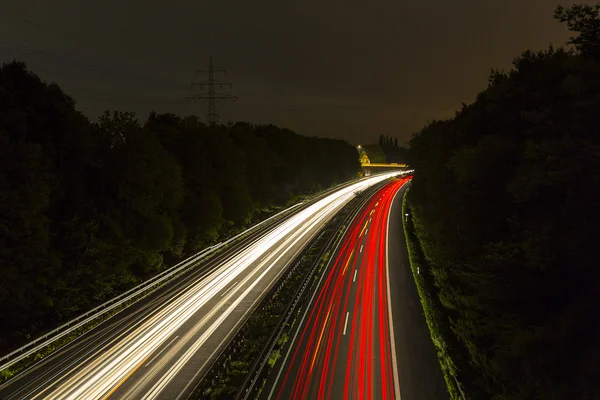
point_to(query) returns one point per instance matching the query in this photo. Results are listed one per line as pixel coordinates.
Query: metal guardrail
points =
(252, 377)
(150, 284)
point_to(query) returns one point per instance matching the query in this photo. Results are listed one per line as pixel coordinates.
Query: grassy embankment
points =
(437, 321)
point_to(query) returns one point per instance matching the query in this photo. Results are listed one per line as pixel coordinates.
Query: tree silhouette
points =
(501, 205)
(583, 19)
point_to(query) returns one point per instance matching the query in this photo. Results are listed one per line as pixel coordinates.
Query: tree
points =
(258, 158)
(496, 188)
(28, 264)
(145, 187)
(583, 19)
(201, 212)
(45, 153)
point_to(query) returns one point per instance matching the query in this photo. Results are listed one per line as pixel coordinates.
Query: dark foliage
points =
(89, 209)
(506, 197)
(392, 152)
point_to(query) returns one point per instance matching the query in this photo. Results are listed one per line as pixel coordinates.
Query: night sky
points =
(345, 69)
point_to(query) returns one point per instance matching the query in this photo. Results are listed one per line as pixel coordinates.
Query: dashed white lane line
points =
(346, 323)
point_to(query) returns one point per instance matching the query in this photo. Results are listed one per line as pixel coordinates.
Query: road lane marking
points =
(227, 291)
(355, 271)
(367, 231)
(361, 247)
(346, 323)
(160, 352)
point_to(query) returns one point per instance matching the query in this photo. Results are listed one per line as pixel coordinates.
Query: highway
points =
(363, 334)
(160, 347)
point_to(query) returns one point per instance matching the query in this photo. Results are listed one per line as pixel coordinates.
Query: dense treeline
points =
(506, 198)
(393, 152)
(88, 209)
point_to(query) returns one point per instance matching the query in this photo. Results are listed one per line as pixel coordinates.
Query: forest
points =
(89, 209)
(506, 202)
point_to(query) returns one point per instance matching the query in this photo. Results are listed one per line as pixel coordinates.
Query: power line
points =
(212, 97)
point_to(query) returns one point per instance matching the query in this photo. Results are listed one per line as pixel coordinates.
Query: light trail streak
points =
(105, 370)
(231, 288)
(348, 262)
(160, 352)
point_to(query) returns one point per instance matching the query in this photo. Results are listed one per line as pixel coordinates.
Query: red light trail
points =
(344, 348)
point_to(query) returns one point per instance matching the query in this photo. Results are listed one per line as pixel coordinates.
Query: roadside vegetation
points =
(505, 204)
(439, 325)
(89, 209)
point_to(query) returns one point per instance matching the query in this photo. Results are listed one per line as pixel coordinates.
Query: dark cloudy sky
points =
(349, 69)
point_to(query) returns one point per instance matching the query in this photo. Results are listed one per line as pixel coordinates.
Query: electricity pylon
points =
(212, 96)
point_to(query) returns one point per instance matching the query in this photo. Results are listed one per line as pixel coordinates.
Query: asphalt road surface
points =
(160, 347)
(363, 335)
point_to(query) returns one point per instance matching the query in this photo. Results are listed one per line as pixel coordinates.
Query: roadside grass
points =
(437, 321)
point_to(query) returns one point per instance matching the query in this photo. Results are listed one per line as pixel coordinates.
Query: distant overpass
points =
(369, 168)
(390, 165)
